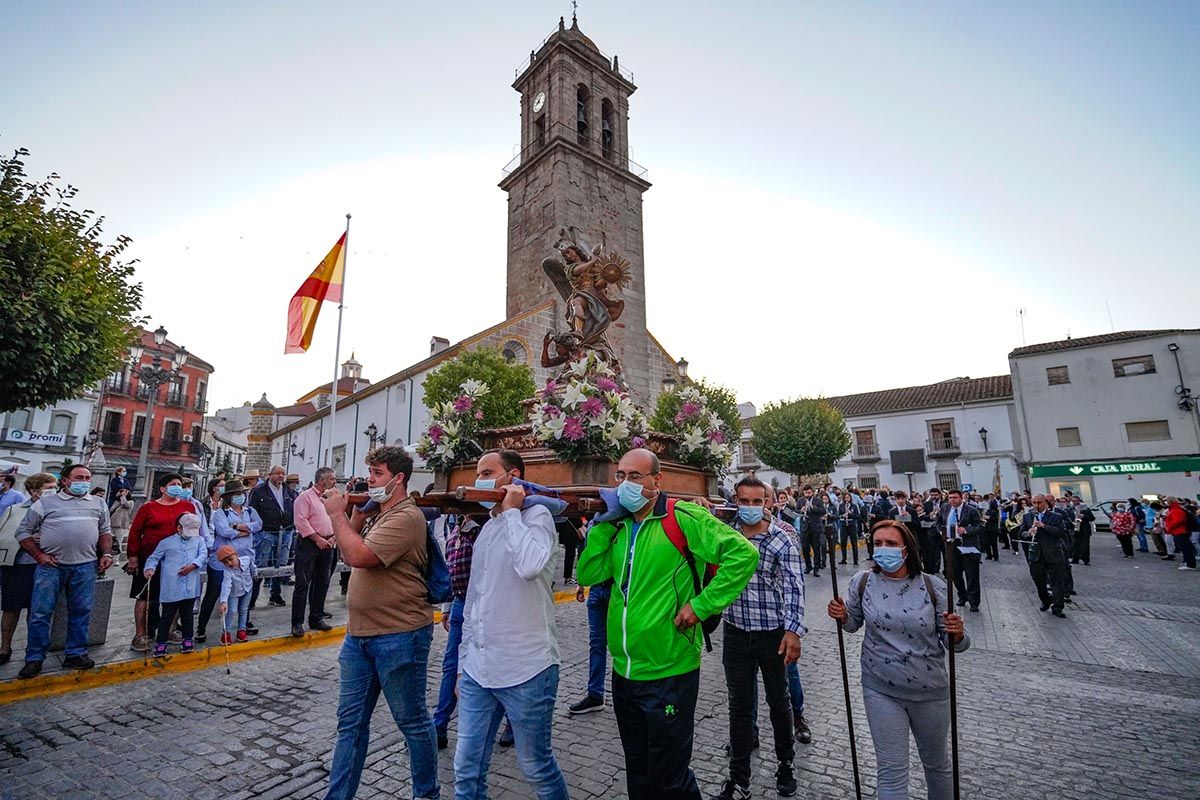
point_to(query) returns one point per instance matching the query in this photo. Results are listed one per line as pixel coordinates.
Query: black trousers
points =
(311, 580)
(212, 590)
(1048, 578)
(656, 720)
(931, 555)
(966, 578)
(1083, 548)
(812, 544)
(849, 539)
(569, 557)
(744, 654)
(1126, 545)
(184, 607)
(991, 543)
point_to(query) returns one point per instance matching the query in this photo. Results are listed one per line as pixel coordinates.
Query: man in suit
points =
(962, 523)
(931, 541)
(812, 531)
(879, 511)
(274, 503)
(1085, 519)
(906, 514)
(849, 515)
(1048, 530)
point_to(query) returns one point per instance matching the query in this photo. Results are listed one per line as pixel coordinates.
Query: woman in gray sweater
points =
(904, 679)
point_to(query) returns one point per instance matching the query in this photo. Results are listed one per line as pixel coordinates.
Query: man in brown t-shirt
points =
(390, 628)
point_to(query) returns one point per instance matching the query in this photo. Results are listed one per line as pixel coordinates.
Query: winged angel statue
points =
(584, 275)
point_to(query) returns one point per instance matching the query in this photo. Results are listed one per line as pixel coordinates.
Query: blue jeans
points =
(238, 613)
(395, 664)
(446, 699)
(530, 708)
(597, 611)
(1143, 545)
(79, 581)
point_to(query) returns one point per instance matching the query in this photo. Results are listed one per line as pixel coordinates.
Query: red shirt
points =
(153, 523)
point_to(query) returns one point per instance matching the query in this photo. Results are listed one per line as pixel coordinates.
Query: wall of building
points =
(29, 459)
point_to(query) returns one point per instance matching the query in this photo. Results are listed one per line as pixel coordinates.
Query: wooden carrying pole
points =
(953, 689)
(845, 674)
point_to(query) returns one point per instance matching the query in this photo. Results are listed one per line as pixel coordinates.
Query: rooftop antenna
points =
(1021, 317)
(1111, 326)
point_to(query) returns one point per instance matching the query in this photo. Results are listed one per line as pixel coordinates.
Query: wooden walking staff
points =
(950, 546)
(845, 674)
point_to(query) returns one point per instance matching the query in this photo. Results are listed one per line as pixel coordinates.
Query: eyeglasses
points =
(632, 476)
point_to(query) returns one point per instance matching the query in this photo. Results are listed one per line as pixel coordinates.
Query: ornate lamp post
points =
(152, 377)
(983, 432)
(373, 433)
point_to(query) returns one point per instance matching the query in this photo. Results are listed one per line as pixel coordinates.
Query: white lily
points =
(573, 396)
(554, 427)
(618, 433)
(474, 388)
(693, 440)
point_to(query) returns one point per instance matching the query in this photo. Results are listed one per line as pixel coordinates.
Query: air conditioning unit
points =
(187, 438)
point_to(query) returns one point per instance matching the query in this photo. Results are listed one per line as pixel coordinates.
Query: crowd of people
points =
(661, 574)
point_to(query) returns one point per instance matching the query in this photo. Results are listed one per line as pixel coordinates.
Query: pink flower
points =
(716, 436)
(479, 415)
(638, 441)
(679, 418)
(463, 403)
(551, 410)
(690, 410)
(551, 387)
(592, 407)
(573, 429)
(606, 385)
(435, 433)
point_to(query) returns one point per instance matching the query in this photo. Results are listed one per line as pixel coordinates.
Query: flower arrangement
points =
(450, 437)
(702, 435)
(586, 413)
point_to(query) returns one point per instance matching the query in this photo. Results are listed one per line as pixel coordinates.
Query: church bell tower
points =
(574, 171)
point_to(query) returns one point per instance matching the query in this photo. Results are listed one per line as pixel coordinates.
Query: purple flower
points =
(690, 410)
(679, 418)
(716, 436)
(592, 407)
(638, 441)
(463, 403)
(606, 385)
(479, 415)
(435, 433)
(573, 429)
(551, 410)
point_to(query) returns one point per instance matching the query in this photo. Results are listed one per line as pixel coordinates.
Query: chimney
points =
(437, 344)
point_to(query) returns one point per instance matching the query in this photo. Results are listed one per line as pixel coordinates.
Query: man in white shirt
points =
(508, 660)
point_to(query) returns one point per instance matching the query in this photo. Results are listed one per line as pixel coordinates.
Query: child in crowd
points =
(236, 585)
(180, 556)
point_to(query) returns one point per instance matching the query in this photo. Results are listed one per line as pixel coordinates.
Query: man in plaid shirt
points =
(460, 545)
(762, 631)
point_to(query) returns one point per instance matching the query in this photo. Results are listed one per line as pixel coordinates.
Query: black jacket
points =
(273, 517)
(1052, 537)
(913, 523)
(968, 518)
(1086, 520)
(812, 515)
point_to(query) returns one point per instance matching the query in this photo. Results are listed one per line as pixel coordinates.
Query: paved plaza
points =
(1103, 704)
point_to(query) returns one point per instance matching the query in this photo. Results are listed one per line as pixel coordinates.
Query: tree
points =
(508, 385)
(227, 466)
(70, 305)
(719, 399)
(800, 437)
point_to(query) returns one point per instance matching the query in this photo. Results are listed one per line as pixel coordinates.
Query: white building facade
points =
(42, 439)
(956, 434)
(1111, 416)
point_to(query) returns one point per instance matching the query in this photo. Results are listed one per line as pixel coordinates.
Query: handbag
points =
(10, 521)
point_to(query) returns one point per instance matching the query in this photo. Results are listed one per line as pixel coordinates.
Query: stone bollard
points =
(97, 625)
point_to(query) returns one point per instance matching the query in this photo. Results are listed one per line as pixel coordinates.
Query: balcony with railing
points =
(943, 446)
(565, 133)
(121, 385)
(176, 396)
(112, 438)
(864, 452)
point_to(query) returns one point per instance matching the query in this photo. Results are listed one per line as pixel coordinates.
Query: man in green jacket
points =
(653, 619)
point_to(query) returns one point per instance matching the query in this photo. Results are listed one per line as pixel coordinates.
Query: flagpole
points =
(337, 348)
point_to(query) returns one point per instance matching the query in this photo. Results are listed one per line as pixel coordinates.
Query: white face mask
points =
(188, 533)
(381, 494)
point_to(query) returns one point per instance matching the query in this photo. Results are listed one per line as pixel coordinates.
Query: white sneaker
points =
(1185, 566)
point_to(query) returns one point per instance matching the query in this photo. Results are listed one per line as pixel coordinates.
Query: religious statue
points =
(584, 275)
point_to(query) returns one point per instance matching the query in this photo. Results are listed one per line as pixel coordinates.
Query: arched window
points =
(582, 113)
(515, 353)
(607, 129)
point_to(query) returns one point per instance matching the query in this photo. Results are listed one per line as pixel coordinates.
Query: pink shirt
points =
(310, 515)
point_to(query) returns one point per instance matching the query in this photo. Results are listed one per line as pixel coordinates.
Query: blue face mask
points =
(79, 488)
(629, 494)
(238, 499)
(750, 515)
(187, 494)
(486, 483)
(176, 491)
(889, 559)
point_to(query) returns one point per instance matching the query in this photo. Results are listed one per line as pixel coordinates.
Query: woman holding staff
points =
(905, 682)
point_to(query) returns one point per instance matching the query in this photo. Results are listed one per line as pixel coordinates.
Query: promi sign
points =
(1114, 468)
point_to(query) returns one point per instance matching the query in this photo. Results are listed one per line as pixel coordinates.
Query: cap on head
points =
(189, 522)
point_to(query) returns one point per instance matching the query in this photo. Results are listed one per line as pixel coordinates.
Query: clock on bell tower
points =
(573, 171)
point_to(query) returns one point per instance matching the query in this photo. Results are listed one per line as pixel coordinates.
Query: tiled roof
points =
(346, 386)
(1091, 341)
(946, 393)
(298, 410)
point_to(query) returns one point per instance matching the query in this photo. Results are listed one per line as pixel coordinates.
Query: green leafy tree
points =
(719, 399)
(508, 385)
(70, 304)
(800, 437)
(227, 466)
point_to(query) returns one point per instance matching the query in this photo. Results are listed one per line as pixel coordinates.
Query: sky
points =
(846, 196)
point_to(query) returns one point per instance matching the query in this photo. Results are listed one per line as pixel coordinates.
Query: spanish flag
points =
(325, 283)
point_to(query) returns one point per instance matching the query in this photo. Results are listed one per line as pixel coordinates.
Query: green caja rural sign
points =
(1114, 468)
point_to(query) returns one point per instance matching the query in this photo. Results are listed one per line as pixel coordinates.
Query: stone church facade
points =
(573, 171)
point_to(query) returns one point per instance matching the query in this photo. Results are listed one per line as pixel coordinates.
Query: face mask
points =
(750, 515)
(381, 494)
(629, 494)
(79, 488)
(237, 499)
(175, 491)
(486, 483)
(186, 494)
(889, 559)
(187, 533)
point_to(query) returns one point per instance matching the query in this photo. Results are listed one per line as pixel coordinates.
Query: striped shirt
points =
(774, 597)
(67, 527)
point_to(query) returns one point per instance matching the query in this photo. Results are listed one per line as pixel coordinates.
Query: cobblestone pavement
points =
(1101, 705)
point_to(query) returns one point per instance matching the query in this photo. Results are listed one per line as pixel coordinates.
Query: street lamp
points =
(152, 377)
(681, 367)
(983, 436)
(372, 433)
(910, 486)
(669, 383)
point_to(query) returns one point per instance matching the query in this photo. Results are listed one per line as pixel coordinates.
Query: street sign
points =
(1114, 468)
(967, 487)
(33, 437)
